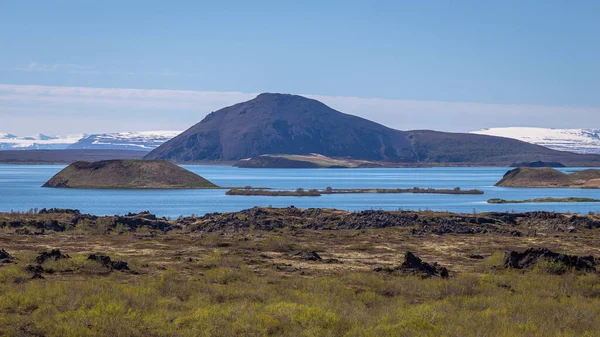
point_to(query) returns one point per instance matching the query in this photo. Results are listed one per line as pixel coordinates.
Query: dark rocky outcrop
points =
(108, 263)
(52, 255)
(413, 265)
(308, 256)
(36, 271)
(5, 257)
(326, 219)
(144, 219)
(270, 219)
(529, 258)
(290, 124)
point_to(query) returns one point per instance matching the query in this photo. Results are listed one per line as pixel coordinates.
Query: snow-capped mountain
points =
(37, 142)
(573, 140)
(141, 141)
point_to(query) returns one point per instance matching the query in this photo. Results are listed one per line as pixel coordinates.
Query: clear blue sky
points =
(497, 52)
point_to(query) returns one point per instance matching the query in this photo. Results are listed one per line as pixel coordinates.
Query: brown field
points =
(200, 281)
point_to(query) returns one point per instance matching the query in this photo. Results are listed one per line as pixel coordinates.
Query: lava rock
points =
(530, 257)
(308, 256)
(5, 257)
(108, 263)
(53, 255)
(413, 265)
(36, 271)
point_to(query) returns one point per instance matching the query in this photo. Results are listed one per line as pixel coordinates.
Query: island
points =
(300, 192)
(572, 199)
(127, 174)
(550, 178)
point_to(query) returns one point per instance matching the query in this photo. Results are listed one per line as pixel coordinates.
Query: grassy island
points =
(547, 177)
(127, 174)
(503, 201)
(300, 192)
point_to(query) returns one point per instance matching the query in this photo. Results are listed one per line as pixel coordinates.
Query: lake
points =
(20, 191)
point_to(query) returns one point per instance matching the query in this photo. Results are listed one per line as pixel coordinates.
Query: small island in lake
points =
(300, 192)
(127, 174)
(550, 178)
(503, 201)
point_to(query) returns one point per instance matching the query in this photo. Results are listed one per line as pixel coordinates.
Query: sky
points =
(108, 66)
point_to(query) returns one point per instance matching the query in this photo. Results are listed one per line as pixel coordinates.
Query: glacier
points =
(572, 140)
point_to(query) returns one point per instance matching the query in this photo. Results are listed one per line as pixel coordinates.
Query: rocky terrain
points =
(550, 178)
(292, 218)
(280, 271)
(127, 174)
(282, 124)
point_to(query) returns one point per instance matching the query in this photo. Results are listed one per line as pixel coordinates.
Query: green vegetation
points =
(235, 301)
(503, 201)
(300, 192)
(250, 282)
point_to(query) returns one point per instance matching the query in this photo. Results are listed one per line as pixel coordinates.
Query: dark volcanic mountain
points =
(290, 124)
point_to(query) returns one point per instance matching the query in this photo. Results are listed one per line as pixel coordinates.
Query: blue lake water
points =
(20, 190)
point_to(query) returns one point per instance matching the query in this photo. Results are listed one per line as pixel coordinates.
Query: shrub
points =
(551, 267)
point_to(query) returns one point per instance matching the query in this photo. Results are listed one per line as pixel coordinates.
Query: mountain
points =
(65, 156)
(573, 140)
(141, 141)
(550, 178)
(38, 142)
(127, 174)
(290, 124)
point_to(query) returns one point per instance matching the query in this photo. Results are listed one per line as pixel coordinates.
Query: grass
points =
(251, 283)
(237, 301)
(503, 201)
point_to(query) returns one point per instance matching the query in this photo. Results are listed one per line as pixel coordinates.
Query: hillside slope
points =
(290, 124)
(127, 174)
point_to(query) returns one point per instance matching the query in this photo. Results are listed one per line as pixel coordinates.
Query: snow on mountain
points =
(141, 141)
(573, 140)
(37, 142)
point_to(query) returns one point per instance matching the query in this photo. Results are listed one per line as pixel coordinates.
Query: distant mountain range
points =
(37, 142)
(291, 124)
(574, 140)
(139, 141)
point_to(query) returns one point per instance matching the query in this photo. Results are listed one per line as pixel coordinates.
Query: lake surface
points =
(20, 191)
